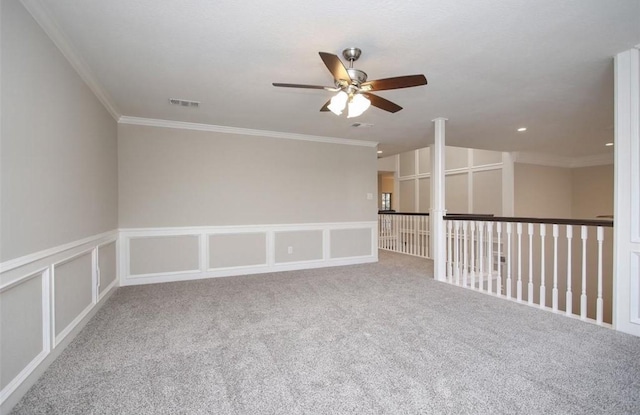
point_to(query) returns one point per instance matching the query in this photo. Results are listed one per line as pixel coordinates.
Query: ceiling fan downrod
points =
(357, 76)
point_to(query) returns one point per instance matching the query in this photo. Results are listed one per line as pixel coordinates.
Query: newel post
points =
(437, 210)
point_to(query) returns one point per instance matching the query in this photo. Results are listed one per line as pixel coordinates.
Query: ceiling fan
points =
(352, 86)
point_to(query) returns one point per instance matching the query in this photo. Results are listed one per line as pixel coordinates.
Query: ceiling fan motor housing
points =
(357, 75)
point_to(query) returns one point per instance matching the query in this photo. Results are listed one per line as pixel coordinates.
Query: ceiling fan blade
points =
(382, 103)
(299, 86)
(325, 107)
(335, 66)
(395, 83)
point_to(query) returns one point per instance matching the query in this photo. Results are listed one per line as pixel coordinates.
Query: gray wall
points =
(542, 191)
(58, 184)
(173, 177)
(58, 167)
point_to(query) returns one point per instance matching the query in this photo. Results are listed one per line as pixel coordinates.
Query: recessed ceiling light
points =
(379, 151)
(609, 144)
(522, 129)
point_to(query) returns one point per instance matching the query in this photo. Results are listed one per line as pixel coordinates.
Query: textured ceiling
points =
(492, 65)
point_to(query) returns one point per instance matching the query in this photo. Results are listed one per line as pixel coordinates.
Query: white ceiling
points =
(492, 65)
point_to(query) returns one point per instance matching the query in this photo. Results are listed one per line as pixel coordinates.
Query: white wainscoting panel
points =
(224, 251)
(28, 334)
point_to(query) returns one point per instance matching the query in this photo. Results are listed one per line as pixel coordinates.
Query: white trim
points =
(74, 256)
(232, 229)
(97, 267)
(457, 170)
(95, 275)
(46, 310)
(64, 333)
(19, 385)
(634, 288)
(203, 252)
(27, 259)
(150, 122)
(21, 280)
(626, 245)
(42, 16)
(43, 273)
(58, 338)
(252, 269)
(49, 339)
(204, 232)
(326, 244)
(107, 290)
(163, 274)
(553, 160)
(20, 377)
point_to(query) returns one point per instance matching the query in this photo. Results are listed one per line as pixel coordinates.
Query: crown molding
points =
(552, 160)
(151, 122)
(42, 16)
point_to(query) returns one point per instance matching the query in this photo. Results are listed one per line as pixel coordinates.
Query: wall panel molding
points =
(46, 329)
(271, 233)
(553, 160)
(42, 265)
(36, 256)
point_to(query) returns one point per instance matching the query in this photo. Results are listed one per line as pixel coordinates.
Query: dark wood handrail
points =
(553, 221)
(386, 212)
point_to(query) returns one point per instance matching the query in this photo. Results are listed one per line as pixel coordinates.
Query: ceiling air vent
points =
(184, 103)
(361, 125)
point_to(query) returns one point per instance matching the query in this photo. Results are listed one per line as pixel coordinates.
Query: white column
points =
(626, 268)
(437, 211)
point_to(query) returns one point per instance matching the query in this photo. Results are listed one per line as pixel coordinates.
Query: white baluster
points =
(465, 255)
(543, 291)
(499, 265)
(450, 252)
(419, 232)
(519, 283)
(425, 229)
(387, 232)
(456, 252)
(489, 257)
(396, 233)
(480, 256)
(583, 295)
(428, 236)
(422, 236)
(405, 234)
(569, 295)
(415, 235)
(530, 285)
(508, 259)
(384, 231)
(472, 254)
(599, 302)
(554, 291)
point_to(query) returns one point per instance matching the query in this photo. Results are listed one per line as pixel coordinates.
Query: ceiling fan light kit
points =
(353, 88)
